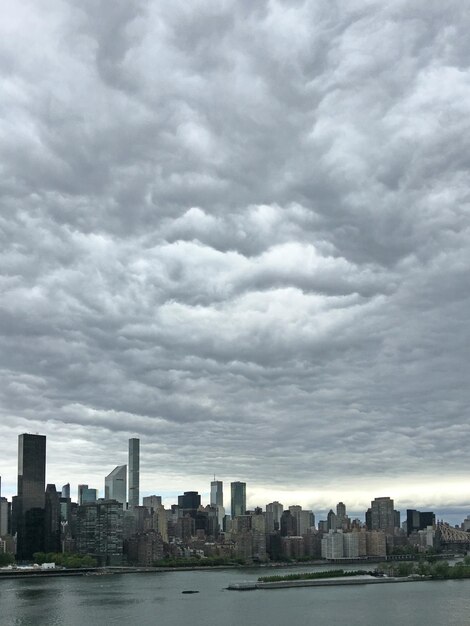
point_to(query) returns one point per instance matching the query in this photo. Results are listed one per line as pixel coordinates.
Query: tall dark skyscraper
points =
(30, 501)
(238, 499)
(134, 471)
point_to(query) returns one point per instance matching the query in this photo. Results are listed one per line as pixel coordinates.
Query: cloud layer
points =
(241, 232)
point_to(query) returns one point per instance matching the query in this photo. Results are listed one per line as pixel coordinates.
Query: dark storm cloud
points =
(239, 231)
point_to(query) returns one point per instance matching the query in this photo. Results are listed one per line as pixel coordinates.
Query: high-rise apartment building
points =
(134, 472)
(99, 531)
(115, 485)
(238, 498)
(382, 514)
(152, 502)
(217, 493)
(274, 511)
(30, 502)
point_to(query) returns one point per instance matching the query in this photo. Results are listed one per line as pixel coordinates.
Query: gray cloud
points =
(241, 233)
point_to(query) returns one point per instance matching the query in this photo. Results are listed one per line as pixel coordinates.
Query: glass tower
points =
(30, 501)
(238, 499)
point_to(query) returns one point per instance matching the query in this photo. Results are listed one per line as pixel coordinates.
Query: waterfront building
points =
(99, 531)
(351, 545)
(332, 545)
(292, 547)
(29, 504)
(312, 543)
(143, 549)
(115, 485)
(376, 543)
(134, 472)
(238, 498)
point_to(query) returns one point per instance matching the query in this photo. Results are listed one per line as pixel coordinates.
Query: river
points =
(142, 599)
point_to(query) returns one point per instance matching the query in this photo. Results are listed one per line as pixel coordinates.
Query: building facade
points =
(99, 531)
(134, 472)
(217, 493)
(115, 485)
(238, 498)
(29, 504)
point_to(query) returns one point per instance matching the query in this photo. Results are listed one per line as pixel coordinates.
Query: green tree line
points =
(64, 559)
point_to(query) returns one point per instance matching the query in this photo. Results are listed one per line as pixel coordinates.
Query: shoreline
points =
(6, 574)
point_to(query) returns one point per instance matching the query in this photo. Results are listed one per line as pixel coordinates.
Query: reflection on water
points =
(157, 599)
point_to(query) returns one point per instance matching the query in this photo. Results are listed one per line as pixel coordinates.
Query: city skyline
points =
(240, 233)
(116, 486)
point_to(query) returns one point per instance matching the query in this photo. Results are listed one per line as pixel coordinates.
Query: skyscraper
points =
(217, 501)
(382, 515)
(52, 520)
(30, 501)
(85, 494)
(115, 485)
(217, 493)
(134, 471)
(274, 511)
(238, 498)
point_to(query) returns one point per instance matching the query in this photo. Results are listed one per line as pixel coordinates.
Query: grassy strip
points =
(334, 573)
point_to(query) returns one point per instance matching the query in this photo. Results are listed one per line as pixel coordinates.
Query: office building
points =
(30, 501)
(134, 472)
(217, 493)
(85, 494)
(52, 520)
(189, 503)
(115, 485)
(418, 520)
(238, 498)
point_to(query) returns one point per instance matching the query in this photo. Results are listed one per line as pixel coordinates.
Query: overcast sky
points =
(239, 230)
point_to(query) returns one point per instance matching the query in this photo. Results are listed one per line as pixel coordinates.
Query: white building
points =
(115, 485)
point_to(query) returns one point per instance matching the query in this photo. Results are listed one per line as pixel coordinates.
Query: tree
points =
(6, 559)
